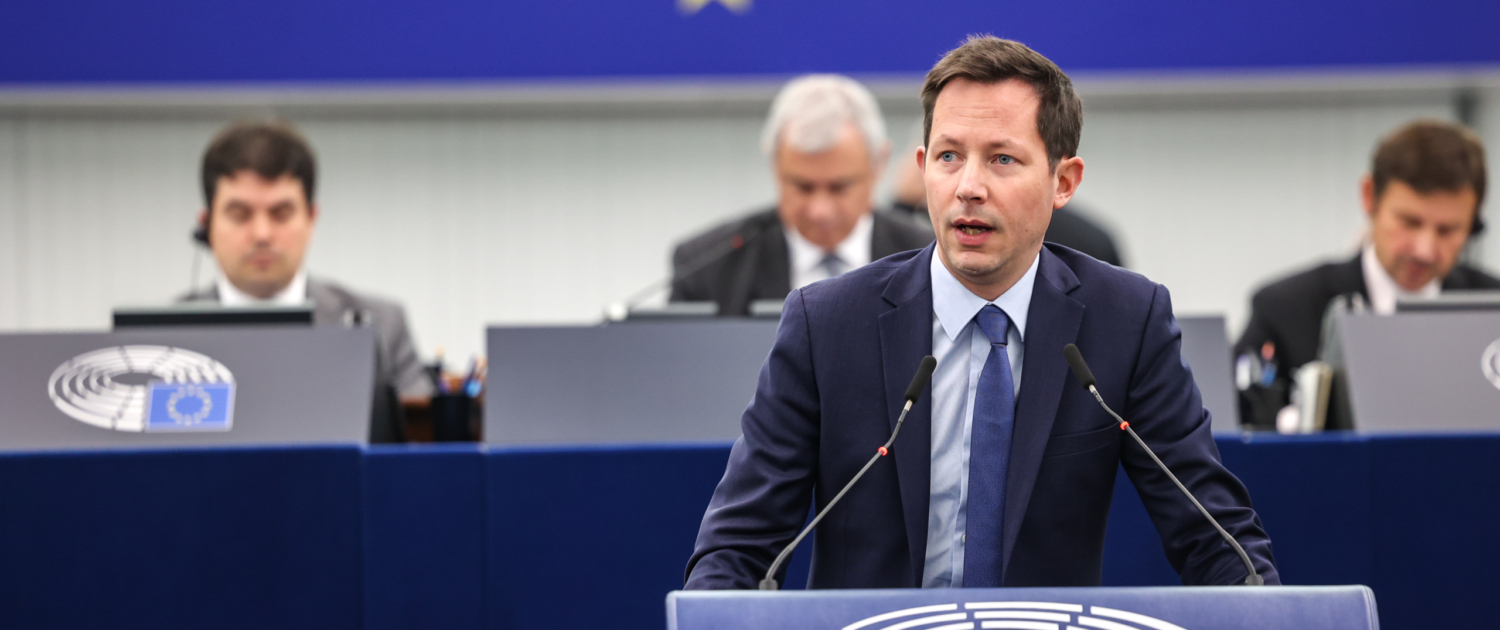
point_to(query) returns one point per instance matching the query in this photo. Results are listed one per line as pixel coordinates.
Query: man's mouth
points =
(972, 230)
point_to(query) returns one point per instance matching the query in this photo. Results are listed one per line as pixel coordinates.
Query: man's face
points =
(260, 230)
(1418, 236)
(990, 192)
(824, 194)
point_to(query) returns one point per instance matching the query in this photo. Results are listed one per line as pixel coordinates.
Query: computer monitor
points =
(204, 313)
(1423, 371)
(1449, 301)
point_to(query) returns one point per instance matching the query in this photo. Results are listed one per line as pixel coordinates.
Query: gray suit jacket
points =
(398, 371)
(747, 259)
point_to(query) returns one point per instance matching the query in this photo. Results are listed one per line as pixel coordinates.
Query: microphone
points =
(1086, 377)
(620, 310)
(913, 392)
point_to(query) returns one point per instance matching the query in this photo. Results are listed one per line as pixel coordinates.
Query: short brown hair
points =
(988, 59)
(271, 149)
(1431, 155)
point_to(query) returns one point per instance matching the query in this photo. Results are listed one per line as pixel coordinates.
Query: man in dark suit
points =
(827, 142)
(1422, 197)
(258, 183)
(1003, 475)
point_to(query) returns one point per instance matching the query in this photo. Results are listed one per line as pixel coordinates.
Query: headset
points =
(200, 231)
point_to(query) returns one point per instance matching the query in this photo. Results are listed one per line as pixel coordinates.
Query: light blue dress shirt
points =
(961, 350)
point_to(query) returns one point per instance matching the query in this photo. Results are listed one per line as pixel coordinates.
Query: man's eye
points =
(947, 156)
(1005, 159)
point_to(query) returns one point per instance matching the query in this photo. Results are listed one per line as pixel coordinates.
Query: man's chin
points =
(1416, 280)
(262, 288)
(972, 264)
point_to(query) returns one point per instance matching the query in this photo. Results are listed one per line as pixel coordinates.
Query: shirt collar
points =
(1382, 288)
(854, 250)
(295, 293)
(955, 305)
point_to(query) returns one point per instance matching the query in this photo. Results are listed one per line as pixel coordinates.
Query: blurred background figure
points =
(1422, 198)
(1068, 228)
(259, 182)
(827, 143)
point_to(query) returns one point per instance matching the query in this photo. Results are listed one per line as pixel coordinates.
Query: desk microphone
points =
(913, 392)
(1086, 377)
(620, 310)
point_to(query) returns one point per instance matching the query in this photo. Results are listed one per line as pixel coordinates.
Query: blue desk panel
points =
(462, 537)
(212, 538)
(425, 537)
(1435, 506)
(626, 516)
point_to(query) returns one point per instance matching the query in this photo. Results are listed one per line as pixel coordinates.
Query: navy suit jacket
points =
(831, 390)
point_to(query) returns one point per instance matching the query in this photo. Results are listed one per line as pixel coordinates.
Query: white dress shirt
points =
(961, 351)
(295, 293)
(807, 258)
(1382, 288)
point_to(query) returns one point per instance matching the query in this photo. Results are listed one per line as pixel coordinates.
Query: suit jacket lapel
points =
(1350, 278)
(327, 307)
(882, 241)
(1055, 319)
(906, 337)
(776, 280)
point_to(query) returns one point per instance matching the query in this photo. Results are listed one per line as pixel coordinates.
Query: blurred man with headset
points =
(258, 186)
(827, 143)
(1422, 197)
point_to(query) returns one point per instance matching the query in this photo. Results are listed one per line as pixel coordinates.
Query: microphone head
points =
(919, 382)
(1080, 369)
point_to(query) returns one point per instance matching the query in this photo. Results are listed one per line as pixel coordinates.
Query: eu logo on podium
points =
(190, 407)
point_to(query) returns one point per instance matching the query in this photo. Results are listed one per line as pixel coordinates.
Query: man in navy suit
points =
(1003, 475)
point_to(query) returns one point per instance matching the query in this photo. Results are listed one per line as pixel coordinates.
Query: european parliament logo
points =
(145, 388)
(1011, 616)
(1489, 364)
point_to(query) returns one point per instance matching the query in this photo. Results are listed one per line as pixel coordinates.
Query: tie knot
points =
(994, 323)
(833, 264)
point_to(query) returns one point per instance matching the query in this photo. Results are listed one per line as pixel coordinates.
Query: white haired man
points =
(827, 144)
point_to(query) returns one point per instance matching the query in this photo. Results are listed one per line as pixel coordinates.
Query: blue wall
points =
(171, 41)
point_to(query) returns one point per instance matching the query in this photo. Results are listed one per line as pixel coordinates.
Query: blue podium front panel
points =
(1165, 608)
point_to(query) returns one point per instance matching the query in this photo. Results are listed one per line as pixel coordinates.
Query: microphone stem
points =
(769, 583)
(1254, 578)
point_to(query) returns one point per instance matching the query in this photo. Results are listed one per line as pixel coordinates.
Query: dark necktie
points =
(833, 265)
(989, 455)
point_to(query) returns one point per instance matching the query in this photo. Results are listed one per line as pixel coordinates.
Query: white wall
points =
(476, 215)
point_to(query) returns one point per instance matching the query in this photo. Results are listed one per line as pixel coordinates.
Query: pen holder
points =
(452, 417)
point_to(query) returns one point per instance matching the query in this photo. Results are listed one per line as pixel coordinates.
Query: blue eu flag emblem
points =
(190, 407)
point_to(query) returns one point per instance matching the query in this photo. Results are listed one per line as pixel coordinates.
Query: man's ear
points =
(922, 160)
(312, 214)
(1068, 175)
(1367, 195)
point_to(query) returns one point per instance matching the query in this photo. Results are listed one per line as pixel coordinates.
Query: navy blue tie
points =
(989, 455)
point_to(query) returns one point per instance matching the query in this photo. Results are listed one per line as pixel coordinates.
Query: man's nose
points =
(971, 185)
(261, 228)
(1424, 246)
(822, 206)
